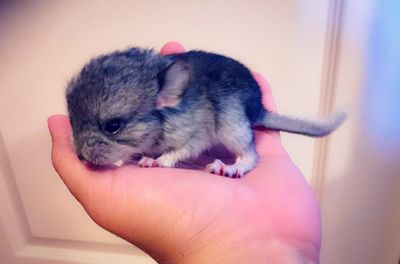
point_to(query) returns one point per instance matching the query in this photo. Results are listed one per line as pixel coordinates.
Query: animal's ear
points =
(173, 83)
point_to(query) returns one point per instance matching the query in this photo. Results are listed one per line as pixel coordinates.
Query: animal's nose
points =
(81, 157)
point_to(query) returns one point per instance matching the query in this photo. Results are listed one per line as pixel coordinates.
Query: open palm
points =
(191, 216)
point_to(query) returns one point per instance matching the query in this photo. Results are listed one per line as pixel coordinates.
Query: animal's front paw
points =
(232, 171)
(166, 161)
(147, 162)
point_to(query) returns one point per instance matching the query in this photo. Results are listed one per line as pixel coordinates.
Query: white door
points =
(310, 51)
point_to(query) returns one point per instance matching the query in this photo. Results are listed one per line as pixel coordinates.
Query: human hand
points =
(190, 216)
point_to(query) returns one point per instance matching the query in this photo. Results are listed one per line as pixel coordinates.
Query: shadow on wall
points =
(368, 194)
(381, 113)
(8, 7)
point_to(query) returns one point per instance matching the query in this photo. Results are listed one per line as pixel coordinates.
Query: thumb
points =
(72, 171)
(60, 131)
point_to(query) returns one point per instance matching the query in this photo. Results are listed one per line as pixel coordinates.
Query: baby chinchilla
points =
(171, 108)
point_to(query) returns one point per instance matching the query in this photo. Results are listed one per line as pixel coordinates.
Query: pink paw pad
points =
(147, 162)
(216, 167)
(231, 171)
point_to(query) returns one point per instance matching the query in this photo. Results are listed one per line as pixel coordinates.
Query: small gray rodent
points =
(171, 108)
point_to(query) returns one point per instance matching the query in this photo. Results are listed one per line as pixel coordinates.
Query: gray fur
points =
(313, 128)
(171, 108)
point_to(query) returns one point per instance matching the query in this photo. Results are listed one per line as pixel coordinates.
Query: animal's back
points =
(227, 83)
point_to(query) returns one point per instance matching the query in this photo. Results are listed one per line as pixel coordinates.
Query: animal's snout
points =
(91, 142)
(94, 151)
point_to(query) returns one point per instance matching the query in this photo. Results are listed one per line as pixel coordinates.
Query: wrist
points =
(254, 251)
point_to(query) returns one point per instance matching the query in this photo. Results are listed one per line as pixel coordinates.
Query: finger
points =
(268, 141)
(72, 171)
(267, 98)
(172, 47)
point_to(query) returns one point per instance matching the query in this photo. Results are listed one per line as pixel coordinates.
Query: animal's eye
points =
(113, 126)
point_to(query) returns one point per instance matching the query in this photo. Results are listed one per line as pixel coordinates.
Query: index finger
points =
(268, 142)
(268, 99)
(172, 47)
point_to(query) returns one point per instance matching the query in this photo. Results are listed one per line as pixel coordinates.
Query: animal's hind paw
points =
(220, 168)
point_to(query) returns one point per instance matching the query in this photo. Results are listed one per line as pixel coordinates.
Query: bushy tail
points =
(313, 128)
